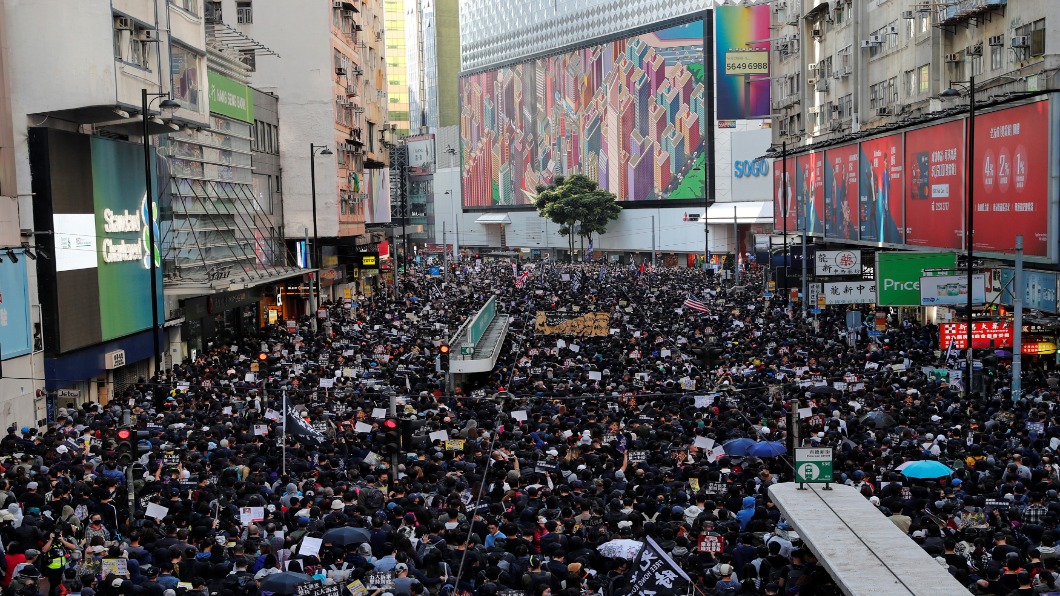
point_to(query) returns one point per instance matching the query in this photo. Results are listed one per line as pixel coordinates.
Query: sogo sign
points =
(750, 168)
(898, 275)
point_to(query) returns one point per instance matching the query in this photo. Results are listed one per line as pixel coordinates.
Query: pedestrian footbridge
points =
(863, 551)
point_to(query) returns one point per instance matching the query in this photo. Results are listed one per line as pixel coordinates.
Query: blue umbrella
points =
(767, 449)
(927, 468)
(738, 447)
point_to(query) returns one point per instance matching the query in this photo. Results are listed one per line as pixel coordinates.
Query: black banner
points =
(654, 572)
(302, 431)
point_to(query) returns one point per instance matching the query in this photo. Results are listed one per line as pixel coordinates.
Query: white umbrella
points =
(620, 548)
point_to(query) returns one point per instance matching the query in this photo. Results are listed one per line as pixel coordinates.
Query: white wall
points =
(303, 77)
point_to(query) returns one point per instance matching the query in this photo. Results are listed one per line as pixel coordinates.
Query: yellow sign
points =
(821, 301)
(747, 63)
(454, 445)
(368, 261)
(347, 293)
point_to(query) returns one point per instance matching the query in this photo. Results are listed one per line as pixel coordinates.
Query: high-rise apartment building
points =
(432, 34)
(330, 77)
(397, 74)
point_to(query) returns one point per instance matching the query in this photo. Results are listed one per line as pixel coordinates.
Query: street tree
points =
(578, 206)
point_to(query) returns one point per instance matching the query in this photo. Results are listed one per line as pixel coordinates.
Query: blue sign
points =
(1039, 289)
(750, 168)
(16, 338)
(435, 271)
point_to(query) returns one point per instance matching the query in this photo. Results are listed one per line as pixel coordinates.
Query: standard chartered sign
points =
(898, 275)
(117, 250)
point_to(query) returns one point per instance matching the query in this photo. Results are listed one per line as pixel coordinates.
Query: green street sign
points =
(230, 98)
(467, 350)
(898, 275)
(813, 465)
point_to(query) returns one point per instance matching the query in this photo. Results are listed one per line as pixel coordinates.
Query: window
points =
(891, 35)
(244, 12)
(840, 15)
(213, 11)
(846, 106)
(912, 86)
(925, 78)
(976, 64)
(191, 6)
(371, 137)
(1036, 32)
(249, 58)
(874, 96)
(997, 54)
(925, 22)
(185, 68)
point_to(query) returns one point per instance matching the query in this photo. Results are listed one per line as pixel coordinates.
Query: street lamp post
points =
(315, 290)
(969, 228)
(167, 103)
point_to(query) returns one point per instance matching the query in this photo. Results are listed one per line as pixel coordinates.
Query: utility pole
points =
(445, 256)
(653, 241)
(1017, 322)
(312, 286)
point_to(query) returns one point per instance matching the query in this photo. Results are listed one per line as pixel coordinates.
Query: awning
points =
(494, 218)
(744, 212)
(816, 12)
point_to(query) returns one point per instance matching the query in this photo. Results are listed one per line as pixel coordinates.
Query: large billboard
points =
(880, 189)
(628, 113)
(1011, 181)
(898, 275)
(90, 193)
(809, 192)
(741, 35)
(934, 209)
(911, 187)
(16, 337)
(784, 205)
(841, 192)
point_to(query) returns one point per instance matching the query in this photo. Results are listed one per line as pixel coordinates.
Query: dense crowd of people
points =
(542, 476)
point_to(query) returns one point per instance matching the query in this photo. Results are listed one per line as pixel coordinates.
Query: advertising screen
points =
(628, 113)
(898, 275)
(16, 337)
(1011, 179)
(809, 188)
(784, 195)
(742, 61)
(934, 206)
(841, 192)
(880, 190)
(90, 192)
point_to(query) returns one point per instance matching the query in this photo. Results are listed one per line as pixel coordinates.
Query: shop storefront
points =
(220, 318)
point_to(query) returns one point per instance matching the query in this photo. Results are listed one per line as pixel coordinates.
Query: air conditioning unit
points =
(811, 81)
(876, 39)
(955, 57)
(340, 71)
(907, 14)
(996, 41)
(812, 66)
(123, 23)
(866, 44)
(1021, 41)
(351, 92)
(814, 109)
(822, 85)
(816, 32)
(845, 72)
(147, 35)
(793, 20)
(892, 30)
(883, 111)
(336, 4)
(780, 6)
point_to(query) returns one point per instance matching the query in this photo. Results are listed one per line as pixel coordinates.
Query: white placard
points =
(378, 413)
(156, 511)
(575, 348)
(251, 514)
(595, 375)
(805, 412)
(362, 427)
(519, 415)
(704, 401)
(704, 443)
(261, 429)
(439, 435)
(310, 547)
(250, 377)
(560, 343)
(327, 383)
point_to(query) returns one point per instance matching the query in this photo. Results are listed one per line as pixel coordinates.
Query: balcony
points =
(972, 12)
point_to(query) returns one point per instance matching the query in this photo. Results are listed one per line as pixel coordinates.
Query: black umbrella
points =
(345, 536)
(822, 389)
(878, 419)
(285, 583)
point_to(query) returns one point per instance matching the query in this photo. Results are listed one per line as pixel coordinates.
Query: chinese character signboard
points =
(813, 465)
(985, 334)
(850, 292)
(837, 262)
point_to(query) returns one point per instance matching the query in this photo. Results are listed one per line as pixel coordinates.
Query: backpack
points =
(373, 498)
(729, 589)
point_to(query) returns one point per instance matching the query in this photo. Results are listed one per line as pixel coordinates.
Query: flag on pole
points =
(300, 429)
(603, 272)
(694, 304)
(654, 572)
(520, 280)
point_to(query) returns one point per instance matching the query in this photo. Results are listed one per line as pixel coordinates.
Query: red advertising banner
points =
(809, 189)
(880, 189)
(934, 204)
(1011, 179)
(784, 192)
(841, 192)
(983, 333)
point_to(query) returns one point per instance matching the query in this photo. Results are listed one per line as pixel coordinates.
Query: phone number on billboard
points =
(740, 63)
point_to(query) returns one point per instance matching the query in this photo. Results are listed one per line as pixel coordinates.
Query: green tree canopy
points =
(578, 206)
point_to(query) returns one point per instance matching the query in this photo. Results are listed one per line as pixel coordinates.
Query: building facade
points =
(77, 163)
(433, 47)
(397, 78)
(843, 68)
(330, 77)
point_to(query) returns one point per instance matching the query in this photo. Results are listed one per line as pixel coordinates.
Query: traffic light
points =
(443, 349)
(130, 443)
(391, 436)
(410, 440)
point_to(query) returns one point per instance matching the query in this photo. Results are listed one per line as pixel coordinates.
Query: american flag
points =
(695, 304)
